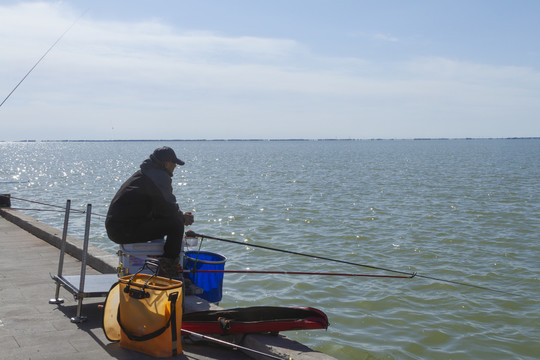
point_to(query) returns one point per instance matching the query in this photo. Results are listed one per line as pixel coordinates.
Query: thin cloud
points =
(375, 36)
(384, 37)
(114, 79)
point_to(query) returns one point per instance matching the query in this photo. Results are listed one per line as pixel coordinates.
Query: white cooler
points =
(132, 256)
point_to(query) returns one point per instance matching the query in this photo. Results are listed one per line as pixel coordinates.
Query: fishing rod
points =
(191, 233)
(194, 271)
(46, 52)
(234, 346)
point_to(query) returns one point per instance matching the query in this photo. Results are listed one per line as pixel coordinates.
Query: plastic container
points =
(211, 283)
(132, 256)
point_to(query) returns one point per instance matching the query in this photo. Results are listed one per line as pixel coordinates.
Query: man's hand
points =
(188, 218)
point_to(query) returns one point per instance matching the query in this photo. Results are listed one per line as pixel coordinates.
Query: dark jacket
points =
(146, 195)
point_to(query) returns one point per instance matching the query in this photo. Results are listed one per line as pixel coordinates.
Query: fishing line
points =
(29, 209)
(191, 233)
(62, 208)
(46, 52)
(197, 258)
(42, 203)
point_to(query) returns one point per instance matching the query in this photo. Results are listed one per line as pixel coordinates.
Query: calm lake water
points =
(462, 210)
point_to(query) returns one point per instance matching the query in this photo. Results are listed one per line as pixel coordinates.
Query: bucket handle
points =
(153, 266)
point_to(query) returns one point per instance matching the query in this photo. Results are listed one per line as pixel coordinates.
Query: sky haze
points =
(244, 69)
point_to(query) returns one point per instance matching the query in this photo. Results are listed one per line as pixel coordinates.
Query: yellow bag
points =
(149, 314)
(110, 325)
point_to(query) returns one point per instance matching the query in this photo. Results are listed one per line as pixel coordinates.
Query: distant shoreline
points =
(217, 140)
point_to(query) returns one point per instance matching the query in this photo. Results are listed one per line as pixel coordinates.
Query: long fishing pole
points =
(295, 273)
(191, 233)
(226, 343)
(41, 58)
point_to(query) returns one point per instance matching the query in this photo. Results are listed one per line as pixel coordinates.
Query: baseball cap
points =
(165, 153)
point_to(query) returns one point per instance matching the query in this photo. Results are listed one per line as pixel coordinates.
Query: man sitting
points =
(145, 208)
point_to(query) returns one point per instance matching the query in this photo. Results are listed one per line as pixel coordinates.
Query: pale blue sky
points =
(177, 69)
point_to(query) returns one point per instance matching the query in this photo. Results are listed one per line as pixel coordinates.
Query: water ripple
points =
(459, 210)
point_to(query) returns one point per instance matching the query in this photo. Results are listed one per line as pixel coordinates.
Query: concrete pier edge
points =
(99, 259)
(106, 263)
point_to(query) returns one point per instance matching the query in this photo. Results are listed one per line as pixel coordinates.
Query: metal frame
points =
(88, 285)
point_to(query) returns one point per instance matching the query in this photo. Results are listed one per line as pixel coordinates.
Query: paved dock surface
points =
(31, 328)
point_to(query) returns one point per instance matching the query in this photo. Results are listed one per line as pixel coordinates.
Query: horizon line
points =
(288, 139)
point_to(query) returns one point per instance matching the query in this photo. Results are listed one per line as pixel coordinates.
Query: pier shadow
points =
(93, 326)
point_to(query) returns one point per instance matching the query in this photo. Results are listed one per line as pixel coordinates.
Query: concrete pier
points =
(31, 328)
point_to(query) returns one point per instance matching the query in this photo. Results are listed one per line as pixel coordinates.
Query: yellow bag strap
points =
(172, 318)
(174, 332)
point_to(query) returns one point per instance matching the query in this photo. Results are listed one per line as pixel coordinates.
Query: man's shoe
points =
(168, 267)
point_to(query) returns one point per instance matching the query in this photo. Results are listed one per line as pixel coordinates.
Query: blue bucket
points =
(210, 283)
